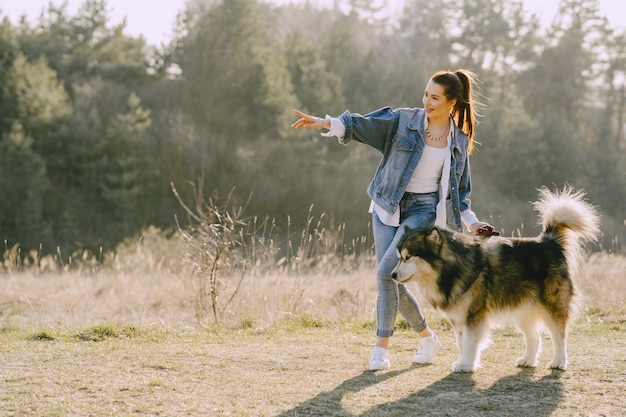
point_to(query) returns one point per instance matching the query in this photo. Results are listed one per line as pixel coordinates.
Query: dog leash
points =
(486, 231)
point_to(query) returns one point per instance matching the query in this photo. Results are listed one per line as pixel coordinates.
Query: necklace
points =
(434, 139)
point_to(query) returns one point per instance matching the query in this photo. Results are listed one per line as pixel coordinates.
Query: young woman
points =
(423, 179)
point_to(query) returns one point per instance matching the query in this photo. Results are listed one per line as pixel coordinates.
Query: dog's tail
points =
(569, 219)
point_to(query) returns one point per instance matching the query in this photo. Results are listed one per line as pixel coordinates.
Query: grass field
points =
(295, 370)
(125, 337)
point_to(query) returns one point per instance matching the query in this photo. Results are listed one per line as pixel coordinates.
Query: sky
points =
(154, 19)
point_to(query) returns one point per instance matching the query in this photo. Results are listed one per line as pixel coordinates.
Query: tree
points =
(23, 185)
(418, 47)
(559, 81)
(83, 46)
(352, 55)
(40, 100)
(80, 216)
(234, 72)
(607, 144)
(126, 170)
(94, 126)
(9, 51)
(39, 106)
(497, 39)
(315, 87)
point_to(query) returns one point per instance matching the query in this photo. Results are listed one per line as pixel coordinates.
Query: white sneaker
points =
(429, 346)
(380, 359)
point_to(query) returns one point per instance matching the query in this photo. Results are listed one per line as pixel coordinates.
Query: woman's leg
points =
(410, 310)
(387, 299)
(418, 210)
(393, 297)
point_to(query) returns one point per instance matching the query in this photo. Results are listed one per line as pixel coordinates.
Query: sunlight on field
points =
(148, 283)
(603, 279)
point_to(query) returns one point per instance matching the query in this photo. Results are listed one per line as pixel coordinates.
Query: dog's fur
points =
(477, 282)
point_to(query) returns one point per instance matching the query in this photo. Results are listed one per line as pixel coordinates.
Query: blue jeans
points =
(416, 210)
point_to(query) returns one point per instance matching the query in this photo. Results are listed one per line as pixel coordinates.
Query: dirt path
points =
(300, 371)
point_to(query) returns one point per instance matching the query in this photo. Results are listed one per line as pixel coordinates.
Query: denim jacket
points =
(399, 136)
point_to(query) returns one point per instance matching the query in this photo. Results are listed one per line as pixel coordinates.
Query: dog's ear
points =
(404, 255)
(434, 238)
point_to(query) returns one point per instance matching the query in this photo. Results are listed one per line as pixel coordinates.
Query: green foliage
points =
(84, 46)
(103, 332)
(40, 98)
(43, 335)
(95, 125)
(126, 171)
(23, 184)
(235, 77)
(313, 83)
(97, 333)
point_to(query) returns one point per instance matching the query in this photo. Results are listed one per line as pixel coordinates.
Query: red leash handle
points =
(486, 231)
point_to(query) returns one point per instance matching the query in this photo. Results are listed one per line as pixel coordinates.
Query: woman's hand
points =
(479, 225)
(483, 229)
(310, 122)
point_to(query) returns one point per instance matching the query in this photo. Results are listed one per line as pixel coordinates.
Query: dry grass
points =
(120, 337)
(152, 281)
(603, 279)
(147, 286)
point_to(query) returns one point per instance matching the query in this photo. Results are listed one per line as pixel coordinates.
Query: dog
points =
(478, 282)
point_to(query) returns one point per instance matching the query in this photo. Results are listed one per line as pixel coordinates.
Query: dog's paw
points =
(525, 362)
(462, 367)
(556, 364)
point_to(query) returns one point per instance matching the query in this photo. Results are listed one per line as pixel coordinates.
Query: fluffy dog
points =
(477, 282)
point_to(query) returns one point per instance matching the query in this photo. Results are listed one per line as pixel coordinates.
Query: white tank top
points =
(425, 178)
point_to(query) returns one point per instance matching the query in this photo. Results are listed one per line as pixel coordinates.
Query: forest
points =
(102, 135)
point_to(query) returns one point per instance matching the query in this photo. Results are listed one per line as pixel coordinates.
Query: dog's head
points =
(420, 253)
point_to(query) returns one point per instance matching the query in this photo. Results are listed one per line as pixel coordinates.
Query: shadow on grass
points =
(454, 395)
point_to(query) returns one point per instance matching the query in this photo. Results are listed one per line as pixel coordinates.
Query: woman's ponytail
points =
(459, 85)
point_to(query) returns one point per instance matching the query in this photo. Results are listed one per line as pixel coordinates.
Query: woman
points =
(423, 179)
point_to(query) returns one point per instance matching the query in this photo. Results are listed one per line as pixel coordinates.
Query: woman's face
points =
(435, 101)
